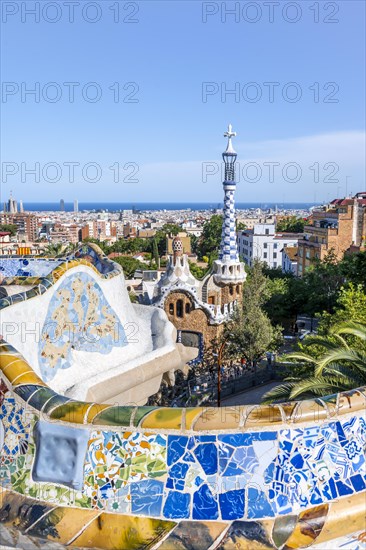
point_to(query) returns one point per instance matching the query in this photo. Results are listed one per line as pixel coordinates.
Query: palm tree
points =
(53, 250)
(337, 362)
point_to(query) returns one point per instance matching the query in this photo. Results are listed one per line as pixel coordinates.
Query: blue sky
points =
(171, 132)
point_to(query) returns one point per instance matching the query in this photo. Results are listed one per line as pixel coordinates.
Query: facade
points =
(100, 229)
(250, 222)
(11, 206)
(289, 259)
(264, 244)
(64, 233)
(200, 307)
(26, 224)
(339, 227)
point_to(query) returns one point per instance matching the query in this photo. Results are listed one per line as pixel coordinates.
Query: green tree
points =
(353, 268)
(161, 236)
(209, 241)
(54, 250)
(250, 333)
(155, 252)
(9, 228)
(129, 264)
(339, 367)
(322, 282)
(197, 271)
(291, 225)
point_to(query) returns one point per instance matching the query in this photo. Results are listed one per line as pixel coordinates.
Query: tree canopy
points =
(250, 332)
(9, 228)
(130, 265)
(291, 224)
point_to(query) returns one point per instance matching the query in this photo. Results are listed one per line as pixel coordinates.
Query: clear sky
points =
(166, 130)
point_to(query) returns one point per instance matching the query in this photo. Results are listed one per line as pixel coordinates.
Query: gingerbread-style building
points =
(199, 308)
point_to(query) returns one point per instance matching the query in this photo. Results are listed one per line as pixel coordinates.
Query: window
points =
(265, 245)
(179, 308)
(188, 308)
(275, 254)
(171, 309)
(267, 231)
(231, 290)
(275, 264)
(275, 245)
(265, 255)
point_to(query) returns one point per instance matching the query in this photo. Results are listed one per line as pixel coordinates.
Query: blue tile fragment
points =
(176, 447)
(343, 489)
(358, 482)
(177, 505)
(258, 505)
(179, 470)
(204, 504)
(206, 454)
(232, 504)
(147, 497)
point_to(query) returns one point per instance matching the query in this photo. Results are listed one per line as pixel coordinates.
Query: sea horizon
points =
(151, 206)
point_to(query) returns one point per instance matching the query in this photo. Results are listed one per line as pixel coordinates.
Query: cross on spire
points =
(229, 134)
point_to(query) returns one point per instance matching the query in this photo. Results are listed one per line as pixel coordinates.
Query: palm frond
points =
(300, 356)
(324, 342)
(352, 328)
(279, 393)
(355, 358)
(319, 386)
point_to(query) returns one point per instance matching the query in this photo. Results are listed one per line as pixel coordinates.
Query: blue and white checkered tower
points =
(228, 269)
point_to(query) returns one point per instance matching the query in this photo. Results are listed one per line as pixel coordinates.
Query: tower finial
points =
(230, 134)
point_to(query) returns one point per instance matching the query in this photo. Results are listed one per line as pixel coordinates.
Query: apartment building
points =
(265, 244)
(27, 224)
(339, 227)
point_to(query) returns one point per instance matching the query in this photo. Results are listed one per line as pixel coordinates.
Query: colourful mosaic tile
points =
(115, 460)
(78, 318)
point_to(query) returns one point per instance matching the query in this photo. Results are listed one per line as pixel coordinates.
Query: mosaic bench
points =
(104, 476)
(91, 475)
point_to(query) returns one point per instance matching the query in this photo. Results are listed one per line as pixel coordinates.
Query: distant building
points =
(64, 233)
(76, 206)
(11, 206)
(27, 225)
(264, 244)
(250, 222)
(289, 259)
(21, 207)
(4, 237)
(62, 205)
(339, 227)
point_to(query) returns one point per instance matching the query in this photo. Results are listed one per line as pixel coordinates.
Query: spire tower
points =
(228, 268)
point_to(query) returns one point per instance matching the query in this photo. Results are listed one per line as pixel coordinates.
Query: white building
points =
(262, 242)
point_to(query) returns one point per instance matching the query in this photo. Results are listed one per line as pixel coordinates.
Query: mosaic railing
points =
(27, 267)
(90, 255)
(104, 476)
